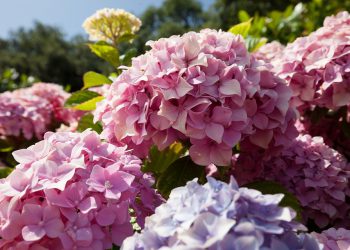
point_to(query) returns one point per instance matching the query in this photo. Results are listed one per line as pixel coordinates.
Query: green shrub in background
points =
(10, 79)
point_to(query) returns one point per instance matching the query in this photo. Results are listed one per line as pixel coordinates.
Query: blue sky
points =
(66, 14)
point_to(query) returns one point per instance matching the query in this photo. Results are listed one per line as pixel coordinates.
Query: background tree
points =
(171, 18)
(43, 52)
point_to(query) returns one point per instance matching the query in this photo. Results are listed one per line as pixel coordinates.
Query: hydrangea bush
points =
(72, 191)
(168, 116)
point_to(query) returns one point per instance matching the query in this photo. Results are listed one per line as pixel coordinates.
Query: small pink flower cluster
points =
(269, 51)
(316, 174)
(317, 67)
(71, 191)
(334, 239)
(30, 112)
(203, 88)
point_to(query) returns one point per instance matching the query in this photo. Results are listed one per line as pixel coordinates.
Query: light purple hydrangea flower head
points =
(72, 191)
(203, 88)
(315, 173)
(220, 216)
(317, 67)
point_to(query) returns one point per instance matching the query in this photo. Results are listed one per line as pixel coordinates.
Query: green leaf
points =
(254, 43)
(5, 171)
(106, 52)
(297, 11)
(126, 58)
(270, 187)
(128, 37)
(89, 105)
(93, 79)
(87, 121)
(79, 97)
(178, 174)
(243, 16)
(241, 28)
(115, 247)
(5, 146)
(159, 161)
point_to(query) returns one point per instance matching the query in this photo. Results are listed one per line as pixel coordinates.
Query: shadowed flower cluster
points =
(110, 24)
(331, 129)
(202, 88)
(70, 191)
(317, 67)
(334, 239)
(220, 216)
(30, 112)
(315, 173)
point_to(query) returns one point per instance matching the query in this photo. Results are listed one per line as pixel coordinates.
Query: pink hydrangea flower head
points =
(315, 173)
(334, 239)
(203, 88)
(317, 66)
(30, 112)
(269, 51)
(75, 192)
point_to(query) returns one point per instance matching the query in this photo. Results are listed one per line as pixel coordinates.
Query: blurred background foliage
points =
(42, 52)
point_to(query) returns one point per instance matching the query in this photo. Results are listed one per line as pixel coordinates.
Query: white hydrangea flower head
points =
(110, 24)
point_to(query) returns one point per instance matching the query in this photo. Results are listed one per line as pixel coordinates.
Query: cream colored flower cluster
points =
(110, 24)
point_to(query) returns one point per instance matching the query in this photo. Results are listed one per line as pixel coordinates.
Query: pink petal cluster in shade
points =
(203, 88)
(30, 112)
(315, 173)
(334, 239)
(317, 67)
(331, 129)
(72, 191)
(269, 51)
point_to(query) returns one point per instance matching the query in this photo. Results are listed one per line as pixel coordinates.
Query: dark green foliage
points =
(292, 21)
(87, 121)
(10, 79)
(178, 174)
(224, 13)
(159, 161)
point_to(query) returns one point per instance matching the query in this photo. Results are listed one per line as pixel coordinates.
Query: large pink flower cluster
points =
(71, 191)
(202, 88)
(30, 112)
(334, 239)
(316, 174)
(317, 67)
